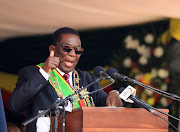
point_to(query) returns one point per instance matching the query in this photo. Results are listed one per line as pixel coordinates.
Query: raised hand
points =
(51, 62)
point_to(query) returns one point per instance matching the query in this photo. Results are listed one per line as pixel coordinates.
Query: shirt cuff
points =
(44, 74)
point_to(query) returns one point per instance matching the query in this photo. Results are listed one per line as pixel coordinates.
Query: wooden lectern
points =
(107, 119)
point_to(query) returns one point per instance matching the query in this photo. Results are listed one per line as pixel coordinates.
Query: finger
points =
(54, 59)
(51, 53)
(53, 66)
(54, 62)
(120, 103)
(108, 103)
(113, 102)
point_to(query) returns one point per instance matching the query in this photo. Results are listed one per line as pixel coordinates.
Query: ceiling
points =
(33, 17)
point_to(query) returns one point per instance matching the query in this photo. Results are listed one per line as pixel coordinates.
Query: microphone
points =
(70, 97)
(99, 72)
(64, 101)
(126, 95)
(114, 74)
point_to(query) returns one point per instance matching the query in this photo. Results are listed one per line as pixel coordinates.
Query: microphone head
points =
(111, 72)
(127, 93)
(114, 74)
(121, 90)
(97, 70)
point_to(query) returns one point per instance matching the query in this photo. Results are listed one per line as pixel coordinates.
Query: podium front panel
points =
(107, 119)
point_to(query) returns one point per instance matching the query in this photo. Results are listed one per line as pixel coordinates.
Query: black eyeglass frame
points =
(78, 50)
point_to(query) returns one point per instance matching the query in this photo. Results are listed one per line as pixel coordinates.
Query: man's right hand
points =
(51, 62)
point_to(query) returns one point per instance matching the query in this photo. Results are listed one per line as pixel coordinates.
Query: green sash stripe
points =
(60, 85)
(89, 104)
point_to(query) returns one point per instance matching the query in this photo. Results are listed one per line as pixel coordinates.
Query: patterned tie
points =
(66, 77)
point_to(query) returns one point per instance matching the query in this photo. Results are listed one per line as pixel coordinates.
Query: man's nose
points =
(72, 52)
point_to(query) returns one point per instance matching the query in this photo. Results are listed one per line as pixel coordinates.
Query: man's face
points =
(68, 60)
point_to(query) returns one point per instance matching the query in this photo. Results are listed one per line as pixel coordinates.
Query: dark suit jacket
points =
(34, 93)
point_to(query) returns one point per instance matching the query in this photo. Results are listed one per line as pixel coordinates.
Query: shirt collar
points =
(62, 73)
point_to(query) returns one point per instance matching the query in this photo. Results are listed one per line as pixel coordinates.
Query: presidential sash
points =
(63, 89)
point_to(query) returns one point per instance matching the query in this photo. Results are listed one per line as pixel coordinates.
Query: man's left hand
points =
(113, 99)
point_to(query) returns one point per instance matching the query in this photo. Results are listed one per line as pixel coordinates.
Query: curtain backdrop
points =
(33, 17)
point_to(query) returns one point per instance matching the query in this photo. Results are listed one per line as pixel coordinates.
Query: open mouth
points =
(68, 63)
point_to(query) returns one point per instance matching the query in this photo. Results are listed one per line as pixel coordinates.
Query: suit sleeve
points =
(30, 82)
(98, 97)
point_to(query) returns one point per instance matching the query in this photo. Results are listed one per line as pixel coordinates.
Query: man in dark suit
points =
(38, 87)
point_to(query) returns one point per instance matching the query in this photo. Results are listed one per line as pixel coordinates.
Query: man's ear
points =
(51, 47)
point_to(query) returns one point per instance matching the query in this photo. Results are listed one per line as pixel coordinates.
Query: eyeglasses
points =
(68, 48)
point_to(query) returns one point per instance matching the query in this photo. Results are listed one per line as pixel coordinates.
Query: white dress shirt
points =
(46, 75)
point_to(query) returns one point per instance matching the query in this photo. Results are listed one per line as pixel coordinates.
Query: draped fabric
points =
(22, 18)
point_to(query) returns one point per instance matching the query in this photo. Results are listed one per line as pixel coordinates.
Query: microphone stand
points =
(70, 97)
(55, 107)
(166, 115)
(163, 113)
(169, 95)
(55, 110)
(63, 119)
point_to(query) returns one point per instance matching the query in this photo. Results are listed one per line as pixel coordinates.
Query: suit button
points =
(40, 86)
